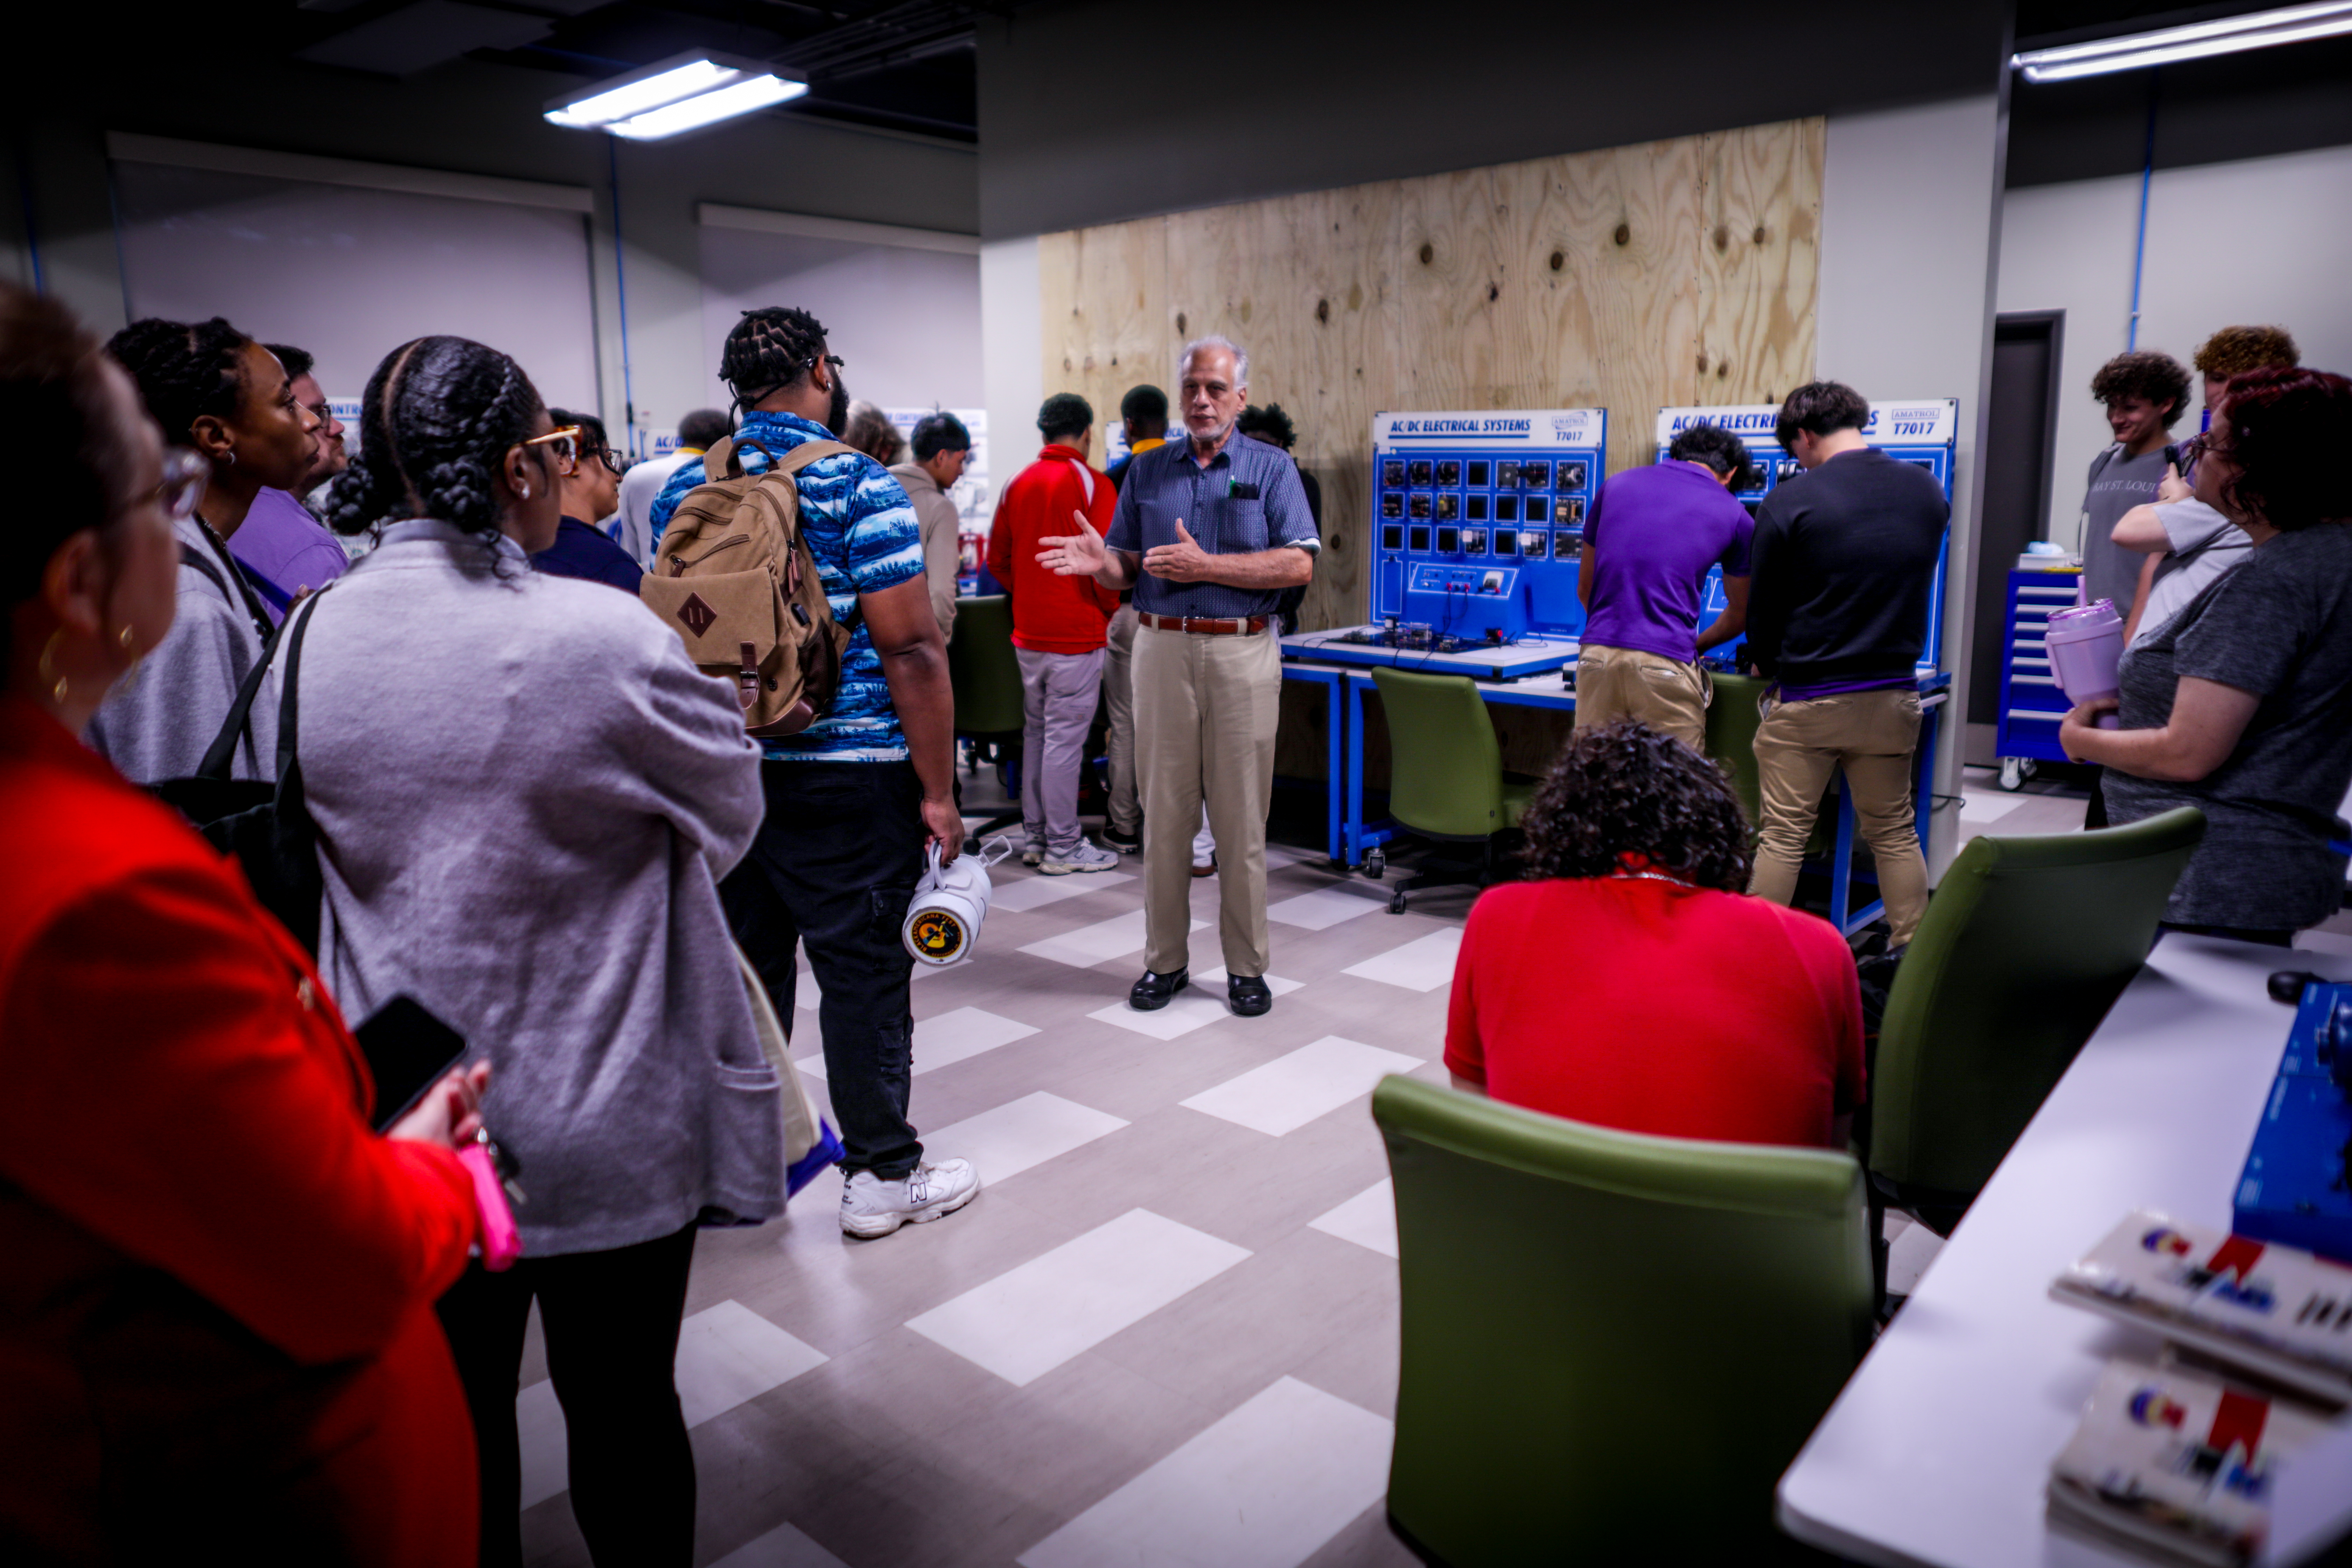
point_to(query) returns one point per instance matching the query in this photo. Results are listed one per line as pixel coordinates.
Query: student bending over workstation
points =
(2241, 704)
(1633, 984)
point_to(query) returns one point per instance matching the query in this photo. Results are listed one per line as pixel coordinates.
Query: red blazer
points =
(216, 1327)
(1051, 613)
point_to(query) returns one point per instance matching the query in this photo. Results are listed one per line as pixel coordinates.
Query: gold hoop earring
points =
(122, 637)
(58, 687)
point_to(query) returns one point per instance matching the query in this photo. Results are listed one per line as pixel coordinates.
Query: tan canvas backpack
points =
(737, 580)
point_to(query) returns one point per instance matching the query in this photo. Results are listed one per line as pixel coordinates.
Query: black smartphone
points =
(408, 1051)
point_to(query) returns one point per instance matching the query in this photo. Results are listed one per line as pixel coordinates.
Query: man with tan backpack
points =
(793, 566)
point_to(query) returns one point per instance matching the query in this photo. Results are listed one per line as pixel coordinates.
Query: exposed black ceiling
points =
(903, 65)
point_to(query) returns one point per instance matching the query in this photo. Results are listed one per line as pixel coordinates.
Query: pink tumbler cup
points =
(2085, 642)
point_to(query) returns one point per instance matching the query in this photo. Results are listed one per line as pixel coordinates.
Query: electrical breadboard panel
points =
(1918, 430)
(2294, 1189)
(1476, 521)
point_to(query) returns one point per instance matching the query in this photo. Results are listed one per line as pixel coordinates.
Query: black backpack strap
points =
(242, 593)
(220, 755)
(296, 625)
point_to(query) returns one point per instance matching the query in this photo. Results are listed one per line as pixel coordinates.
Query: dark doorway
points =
(2020, 440)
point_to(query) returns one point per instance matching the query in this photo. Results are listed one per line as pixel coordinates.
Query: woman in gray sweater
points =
(525, 795)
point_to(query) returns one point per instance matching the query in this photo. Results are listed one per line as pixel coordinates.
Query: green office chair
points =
(986, 681)
(1731, 721)
(1613, 1343)
(2027, 944)
(1445, 770)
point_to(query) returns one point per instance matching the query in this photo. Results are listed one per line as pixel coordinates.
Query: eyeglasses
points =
(834, 360)
(563, 442)
(183, 486)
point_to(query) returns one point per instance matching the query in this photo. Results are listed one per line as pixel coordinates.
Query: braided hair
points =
(183, 371)
(438, 415)
(769, 350)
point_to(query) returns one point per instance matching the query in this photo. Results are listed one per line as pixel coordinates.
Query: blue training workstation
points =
(1478, 518)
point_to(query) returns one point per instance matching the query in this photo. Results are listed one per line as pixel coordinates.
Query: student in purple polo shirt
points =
(1663, 527)
(1843, 561)
(285, 551)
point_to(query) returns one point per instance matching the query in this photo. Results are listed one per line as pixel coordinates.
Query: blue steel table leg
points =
(1335, 757)
(1354, 829)
(1842, 857)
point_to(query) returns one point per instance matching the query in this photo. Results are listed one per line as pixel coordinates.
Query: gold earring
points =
(122, 637)
(57, 691)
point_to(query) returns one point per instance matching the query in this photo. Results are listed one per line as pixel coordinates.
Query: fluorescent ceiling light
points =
(678, 94)
(742, 98)
(2228, 35)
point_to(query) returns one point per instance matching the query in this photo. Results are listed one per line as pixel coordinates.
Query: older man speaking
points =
(1209, 532)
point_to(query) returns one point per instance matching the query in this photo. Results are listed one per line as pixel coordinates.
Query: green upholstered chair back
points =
(1445, 767)
(2026, 945)
(1731, 723)
(1613, 1344)
(981, 669)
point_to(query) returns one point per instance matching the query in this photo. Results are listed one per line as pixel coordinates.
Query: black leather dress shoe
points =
(1247, 994)
(1153, 991)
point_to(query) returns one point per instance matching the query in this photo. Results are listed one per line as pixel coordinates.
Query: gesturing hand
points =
(1182, 562)
(1078, 554)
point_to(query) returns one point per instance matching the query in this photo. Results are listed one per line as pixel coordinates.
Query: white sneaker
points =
(871, 1206)
(1080, 857)
(1032, 852)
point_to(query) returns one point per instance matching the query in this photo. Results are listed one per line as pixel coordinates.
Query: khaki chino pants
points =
(1118, 696)
(1871, 736)
(1205, 713)
(1669, 696)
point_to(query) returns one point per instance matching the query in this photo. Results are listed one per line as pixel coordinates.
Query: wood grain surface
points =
(1628, 278)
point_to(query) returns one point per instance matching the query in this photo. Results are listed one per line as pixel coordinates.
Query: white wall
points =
(1011, 346)
(2264, 240)
(1910, 216)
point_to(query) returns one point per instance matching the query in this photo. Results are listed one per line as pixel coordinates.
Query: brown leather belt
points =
(1204, 626)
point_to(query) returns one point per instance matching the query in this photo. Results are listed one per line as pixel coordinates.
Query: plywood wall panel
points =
(1441, 293)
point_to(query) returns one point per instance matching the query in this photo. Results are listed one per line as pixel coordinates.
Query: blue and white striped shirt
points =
(863, 530)
(1164, 484)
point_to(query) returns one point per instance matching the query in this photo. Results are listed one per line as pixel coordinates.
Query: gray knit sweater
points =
(525, 794)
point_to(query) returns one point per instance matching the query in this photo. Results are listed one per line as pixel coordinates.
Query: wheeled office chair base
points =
(1480, 876)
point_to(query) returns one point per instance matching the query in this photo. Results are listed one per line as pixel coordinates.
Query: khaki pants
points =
(1669, 696)
(1205, 712)
(1871, 736)
(1118, 696)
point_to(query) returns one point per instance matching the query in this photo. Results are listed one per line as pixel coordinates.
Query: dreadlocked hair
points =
(183, 371)
(769, 349)
(438, 413)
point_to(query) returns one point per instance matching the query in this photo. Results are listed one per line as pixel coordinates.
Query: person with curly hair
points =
(525, 795)
(1630, 983)
(2186, 543)
(2143, 393)
(870, 431)
(2241, 704)
(219, 394)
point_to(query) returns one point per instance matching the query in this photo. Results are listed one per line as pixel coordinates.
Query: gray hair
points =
(1217, 341)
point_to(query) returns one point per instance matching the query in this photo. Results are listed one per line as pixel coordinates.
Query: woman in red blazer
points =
(216, 1327)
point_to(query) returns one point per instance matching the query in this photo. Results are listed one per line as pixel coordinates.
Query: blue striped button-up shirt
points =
(1247, 498)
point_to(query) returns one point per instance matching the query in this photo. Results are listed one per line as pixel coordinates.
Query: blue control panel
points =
(1921, 430)
(2293, 1188)
(1478, 518)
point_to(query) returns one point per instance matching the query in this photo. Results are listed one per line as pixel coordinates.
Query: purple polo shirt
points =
(1653, 532)
(285, 547)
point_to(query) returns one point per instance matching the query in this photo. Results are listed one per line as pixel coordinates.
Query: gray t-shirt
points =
(2118, 484)
(2281, 627)
(2204, 545)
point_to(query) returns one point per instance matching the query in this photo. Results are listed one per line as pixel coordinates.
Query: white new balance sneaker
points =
(1080, 857)
(871, 1206)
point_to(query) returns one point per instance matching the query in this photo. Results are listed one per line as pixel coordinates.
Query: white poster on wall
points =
(974, 496)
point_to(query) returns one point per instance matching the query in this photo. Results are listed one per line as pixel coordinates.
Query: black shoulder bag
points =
(266, 825)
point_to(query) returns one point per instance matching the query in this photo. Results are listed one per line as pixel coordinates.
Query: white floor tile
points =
(1325, 907)
(1423, 964)
(807, 992)
(961, 1035)
(1368, 1219)
(2323, 941)
(1024, 893)
(1199, 1004)
(726, 1354)
(782, 1547)
(1098, 944)
(1987, 805)
(1908, 1256)
(1025, 1323)
(1265, 1488)
(1289, 1092)
(1026, 1132)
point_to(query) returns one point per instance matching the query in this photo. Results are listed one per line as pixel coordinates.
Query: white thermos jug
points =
(943, 919)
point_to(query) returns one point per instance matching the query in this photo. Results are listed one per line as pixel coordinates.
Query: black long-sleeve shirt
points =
(1844, 557)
